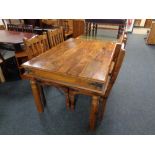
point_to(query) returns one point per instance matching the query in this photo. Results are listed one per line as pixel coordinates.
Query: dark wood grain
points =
(77, 64)
(13, 37)
(76, 58)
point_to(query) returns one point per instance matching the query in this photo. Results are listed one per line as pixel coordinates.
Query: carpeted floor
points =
(130, 107)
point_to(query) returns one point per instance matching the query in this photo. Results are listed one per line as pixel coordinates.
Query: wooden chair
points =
(36, 45)
(33, 47)
(12, 27)
(113, 73)
(55, 37)
(27, 28)
(90, 28)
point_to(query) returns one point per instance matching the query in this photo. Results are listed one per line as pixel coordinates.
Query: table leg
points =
(103, 106)
(93, 112)
(2, 79)
(72, 99)
(66, 91)
(37, 95)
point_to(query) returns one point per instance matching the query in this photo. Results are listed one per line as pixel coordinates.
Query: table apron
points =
(71, 82)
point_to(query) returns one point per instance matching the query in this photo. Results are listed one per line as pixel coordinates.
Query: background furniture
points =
(151, 35)
(16, 40)
(93, 24)
(20, 28)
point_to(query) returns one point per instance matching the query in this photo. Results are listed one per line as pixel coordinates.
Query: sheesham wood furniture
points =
(55, 37)
(33, 47)
(76, 64)
(151, 35)
(78, 27)
(92, 25)
(36, 45)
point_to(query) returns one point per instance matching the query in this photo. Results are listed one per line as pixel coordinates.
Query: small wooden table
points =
(75, 63)
(14, 38)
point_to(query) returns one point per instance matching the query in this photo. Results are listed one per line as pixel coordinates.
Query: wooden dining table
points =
(14, 38)
(76, 63)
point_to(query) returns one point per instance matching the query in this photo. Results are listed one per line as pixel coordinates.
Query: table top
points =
(14, 37)
(78, 58)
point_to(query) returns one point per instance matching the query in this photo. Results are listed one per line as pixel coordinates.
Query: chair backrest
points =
(12, 27)
(20, 28)
(90, 28)
(55, 37)
(36, 45)
(118, 60)
(27, 28)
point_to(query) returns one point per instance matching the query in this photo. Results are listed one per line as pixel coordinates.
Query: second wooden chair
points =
(33, 47)
(113, 73)
(36, 45)
(55, 37)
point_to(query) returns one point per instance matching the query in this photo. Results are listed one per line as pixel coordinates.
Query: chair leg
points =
(103, 106)
(66, 91)
(72, 99)
(2, 79)
(42, 95)
(93, 112)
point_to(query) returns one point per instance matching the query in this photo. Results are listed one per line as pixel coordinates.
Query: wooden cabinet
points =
(151, 34)
(78, 27)
(73, 27)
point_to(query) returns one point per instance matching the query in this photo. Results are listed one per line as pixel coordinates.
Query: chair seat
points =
(20, 54)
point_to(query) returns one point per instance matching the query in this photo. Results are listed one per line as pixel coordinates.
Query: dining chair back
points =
(20, 28)
(27, 28)
(36, 45)
(55, 37)
(90, 28)
(12, 27)
(118, 60)
(123, 38)
(112, 77)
